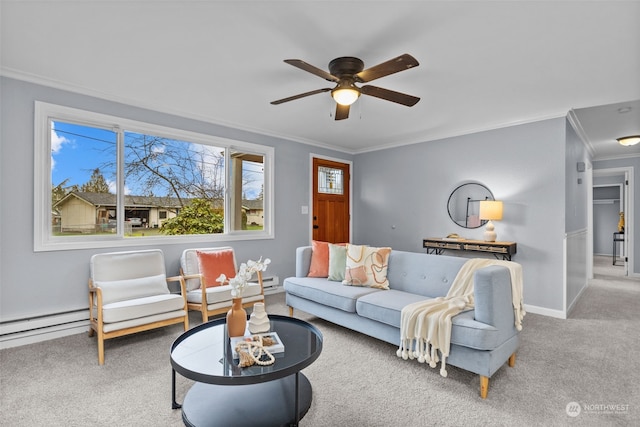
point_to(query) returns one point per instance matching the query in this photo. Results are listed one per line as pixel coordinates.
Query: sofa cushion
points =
(468, 332)
(386, 306)
(121, 290)
(337, 262)
(323, 291)
(367, 266)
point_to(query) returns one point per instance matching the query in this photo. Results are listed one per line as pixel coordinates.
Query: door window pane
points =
(330, 180)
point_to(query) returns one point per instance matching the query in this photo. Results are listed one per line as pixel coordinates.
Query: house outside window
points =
(105, 181)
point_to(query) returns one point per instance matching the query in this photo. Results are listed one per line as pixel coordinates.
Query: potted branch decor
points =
(237, 316)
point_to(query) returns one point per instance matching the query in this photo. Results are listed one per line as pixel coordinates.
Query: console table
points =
(439, 245)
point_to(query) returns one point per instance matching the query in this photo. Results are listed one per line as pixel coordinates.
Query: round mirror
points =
(464, 204)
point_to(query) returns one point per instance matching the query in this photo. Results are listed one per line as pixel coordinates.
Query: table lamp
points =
(490, 210)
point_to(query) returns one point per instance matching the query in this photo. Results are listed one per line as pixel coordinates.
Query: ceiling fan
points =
(346, 71)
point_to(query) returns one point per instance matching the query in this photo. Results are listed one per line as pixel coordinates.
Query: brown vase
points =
(236, 319)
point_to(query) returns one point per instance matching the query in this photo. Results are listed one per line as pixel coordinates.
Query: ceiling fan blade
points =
(342, 111)
(301, 95)
(312, 69)
(400, 63)
(390, 95)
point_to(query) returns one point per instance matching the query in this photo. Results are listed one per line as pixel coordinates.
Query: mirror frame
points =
(463, 190)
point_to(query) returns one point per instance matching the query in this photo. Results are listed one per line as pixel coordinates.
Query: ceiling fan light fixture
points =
(345, 94)
(630, 140)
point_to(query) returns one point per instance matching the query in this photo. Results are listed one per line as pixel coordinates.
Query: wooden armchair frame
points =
(96, 323)
(203, 307)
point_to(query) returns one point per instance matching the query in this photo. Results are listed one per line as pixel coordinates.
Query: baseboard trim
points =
(534, 309)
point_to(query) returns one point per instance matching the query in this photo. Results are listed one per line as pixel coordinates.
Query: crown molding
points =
(577, 126)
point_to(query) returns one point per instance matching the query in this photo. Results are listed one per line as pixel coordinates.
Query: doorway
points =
(331, 200)
(612, 196)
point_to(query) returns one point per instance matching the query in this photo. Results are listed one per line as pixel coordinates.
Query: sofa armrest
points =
(492, 295)
(303, 260)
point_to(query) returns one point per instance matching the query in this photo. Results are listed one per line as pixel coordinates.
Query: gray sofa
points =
(482, 339)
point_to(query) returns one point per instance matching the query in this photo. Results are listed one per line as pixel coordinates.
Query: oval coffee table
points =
(227, 395)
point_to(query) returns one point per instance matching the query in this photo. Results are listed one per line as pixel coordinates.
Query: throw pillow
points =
(319, 259)
(213, 264)
(337, 262)
(367, 266)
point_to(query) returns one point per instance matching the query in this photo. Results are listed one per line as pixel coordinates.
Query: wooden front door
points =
(331, 208)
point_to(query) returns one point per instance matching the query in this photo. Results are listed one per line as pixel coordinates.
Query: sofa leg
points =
(512, 360)
(484, 386)
(290, 311)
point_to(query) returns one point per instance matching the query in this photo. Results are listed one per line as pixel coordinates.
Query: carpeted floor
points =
(588, 359)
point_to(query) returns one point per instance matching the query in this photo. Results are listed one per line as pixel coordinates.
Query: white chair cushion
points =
(177, 315)
(121, 290)
(219, 294)
(141, 307)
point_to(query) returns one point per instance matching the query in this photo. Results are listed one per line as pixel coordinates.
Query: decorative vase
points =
(259, 321)
(236, 319)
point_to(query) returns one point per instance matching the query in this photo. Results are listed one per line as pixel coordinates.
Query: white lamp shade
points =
(628, 141)
(490, 210)
(345, 96)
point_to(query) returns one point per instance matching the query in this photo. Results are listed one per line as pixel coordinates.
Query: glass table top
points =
(204, 353)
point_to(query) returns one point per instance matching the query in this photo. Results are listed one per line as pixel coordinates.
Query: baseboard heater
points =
(270, 284)
(28, 331)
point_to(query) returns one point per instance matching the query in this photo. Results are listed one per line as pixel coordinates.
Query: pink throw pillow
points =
(213, 264)
(319, 259)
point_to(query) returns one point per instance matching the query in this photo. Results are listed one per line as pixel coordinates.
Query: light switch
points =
(304, 210)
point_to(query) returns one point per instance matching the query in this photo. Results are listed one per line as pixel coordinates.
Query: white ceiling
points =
(483, 64)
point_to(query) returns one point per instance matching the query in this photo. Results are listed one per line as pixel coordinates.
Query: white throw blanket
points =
(425, 326)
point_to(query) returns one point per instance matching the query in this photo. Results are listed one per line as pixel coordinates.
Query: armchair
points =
(201, 267)
(129, 293)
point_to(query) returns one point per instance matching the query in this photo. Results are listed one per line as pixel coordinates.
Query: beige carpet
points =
(589, 359)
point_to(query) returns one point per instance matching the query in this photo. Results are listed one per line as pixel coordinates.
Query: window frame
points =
(43, 236)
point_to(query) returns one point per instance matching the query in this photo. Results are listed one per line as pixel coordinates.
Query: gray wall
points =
(401, 196)
(35, 284)
(577, 188)
(576, 185)
(633, 162)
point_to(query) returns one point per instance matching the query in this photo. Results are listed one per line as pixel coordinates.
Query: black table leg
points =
(296, 416)
(174, 404)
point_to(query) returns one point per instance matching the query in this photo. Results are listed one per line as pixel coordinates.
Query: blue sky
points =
(77, 150)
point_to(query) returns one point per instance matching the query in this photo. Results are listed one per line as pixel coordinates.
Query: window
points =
(329, 180)
(107, 181)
